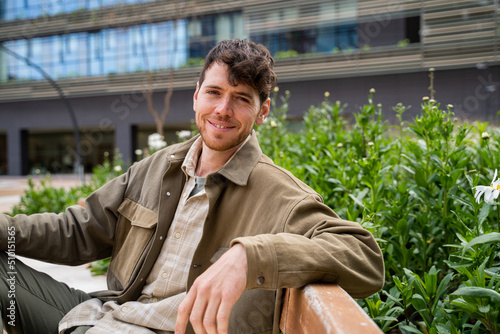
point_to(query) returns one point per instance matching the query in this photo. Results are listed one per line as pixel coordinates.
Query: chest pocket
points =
(136, 227)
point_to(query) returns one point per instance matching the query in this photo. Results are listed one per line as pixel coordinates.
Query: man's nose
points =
(224, 107)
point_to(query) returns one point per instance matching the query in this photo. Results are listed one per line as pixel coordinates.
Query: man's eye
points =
(243, 99)
(212, 92)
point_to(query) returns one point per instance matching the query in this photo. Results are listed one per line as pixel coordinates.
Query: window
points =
(102, 52)
(55, 151)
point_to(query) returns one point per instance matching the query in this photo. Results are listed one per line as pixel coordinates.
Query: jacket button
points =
(168, 193)
(261, 280)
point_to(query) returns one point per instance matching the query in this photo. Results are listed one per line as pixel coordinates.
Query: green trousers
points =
(32, 302)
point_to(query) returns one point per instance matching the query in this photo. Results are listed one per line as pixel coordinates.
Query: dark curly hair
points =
(249, 63)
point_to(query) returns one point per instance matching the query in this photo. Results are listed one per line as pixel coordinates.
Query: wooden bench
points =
(324, 309)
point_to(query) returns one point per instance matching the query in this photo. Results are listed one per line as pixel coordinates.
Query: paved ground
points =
(11, 188)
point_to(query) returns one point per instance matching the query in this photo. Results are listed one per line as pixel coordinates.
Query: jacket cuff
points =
(262, 264)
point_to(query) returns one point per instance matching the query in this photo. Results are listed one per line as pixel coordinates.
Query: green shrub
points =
(43, 197)
(412, 186)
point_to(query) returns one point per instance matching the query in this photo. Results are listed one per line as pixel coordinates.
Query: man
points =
(203, 235)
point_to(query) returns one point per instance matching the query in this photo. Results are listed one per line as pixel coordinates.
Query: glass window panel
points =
(181, 54)
(93, 4)
(122, 49)
(223, 29)
(109, 51)
(59, 54)
(83, 56)
(239, 31)
(10, 9)
(162, 45)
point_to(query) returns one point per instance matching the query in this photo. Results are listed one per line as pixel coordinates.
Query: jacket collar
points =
(237, 169)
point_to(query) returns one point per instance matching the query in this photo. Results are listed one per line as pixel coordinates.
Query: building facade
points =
(85, 63)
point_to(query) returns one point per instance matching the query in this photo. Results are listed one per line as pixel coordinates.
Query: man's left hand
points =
(209, 302)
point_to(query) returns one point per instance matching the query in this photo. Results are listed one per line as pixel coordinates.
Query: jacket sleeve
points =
(77, 236)
(316, 246)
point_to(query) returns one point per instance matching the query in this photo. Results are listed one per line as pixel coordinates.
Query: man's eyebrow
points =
(212, 87)
(242, 93)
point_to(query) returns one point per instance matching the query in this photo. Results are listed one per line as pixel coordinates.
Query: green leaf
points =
(402, 227)
(484, 308)
(357, 201)
(483, 239)
(477, 292)
(407, 329)
(461, 200)
(483, 214)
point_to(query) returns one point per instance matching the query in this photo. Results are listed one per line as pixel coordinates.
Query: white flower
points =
(138, 152)
(490, 192)
(485, 135)
(156, 142)
(273, 124)
(184, 134)
(118, 169)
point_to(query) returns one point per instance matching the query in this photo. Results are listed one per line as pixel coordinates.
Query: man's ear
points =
(264, 112)
(195, 95)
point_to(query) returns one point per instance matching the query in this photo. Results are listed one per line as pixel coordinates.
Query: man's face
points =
(225, 114)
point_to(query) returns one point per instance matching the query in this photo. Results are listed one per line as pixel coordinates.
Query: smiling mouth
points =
(220, 126)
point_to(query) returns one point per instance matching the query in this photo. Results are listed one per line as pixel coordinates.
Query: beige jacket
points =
(291, 238)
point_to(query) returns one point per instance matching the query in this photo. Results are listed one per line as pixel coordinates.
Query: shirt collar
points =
(191, 160)
(237, 169)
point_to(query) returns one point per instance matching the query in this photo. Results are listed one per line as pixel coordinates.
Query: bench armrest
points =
(324, 308)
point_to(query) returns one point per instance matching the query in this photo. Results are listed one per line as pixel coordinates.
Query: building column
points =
(15, 152)
(123, 141)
